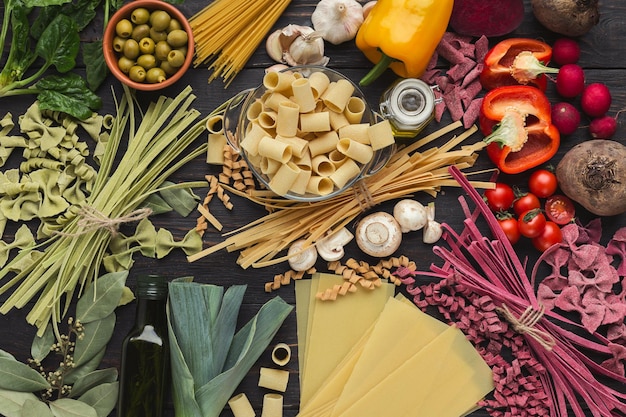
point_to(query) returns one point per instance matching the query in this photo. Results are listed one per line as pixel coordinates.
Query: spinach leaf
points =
(96, 68)
(69, 94)
(59, 44)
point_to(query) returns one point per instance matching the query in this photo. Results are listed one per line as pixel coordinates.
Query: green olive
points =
(124, 28)
(157, 35)
(118, 44)
(131, 49)
(147, 61)
(146, 46)
(176, 58)
(141, 31)
(125, 64)
(140, 16)
(161, 49)
(137, 73)
(177, 38)
(174, 25)
(169, 70)
(155, 75)
(160, 20)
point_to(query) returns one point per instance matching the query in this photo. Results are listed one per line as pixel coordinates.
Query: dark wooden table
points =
(602, 58)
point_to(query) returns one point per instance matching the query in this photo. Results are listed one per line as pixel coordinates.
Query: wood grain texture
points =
(603, 58)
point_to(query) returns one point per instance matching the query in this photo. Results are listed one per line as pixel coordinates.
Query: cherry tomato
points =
(531, 223)
(560, 209)
(500, 198)
(526, 202)
(551, 235)
(542, 183)
(510, 228)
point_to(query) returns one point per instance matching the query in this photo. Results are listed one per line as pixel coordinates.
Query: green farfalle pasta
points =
(23, 239)
(52, 202)
(32, 123)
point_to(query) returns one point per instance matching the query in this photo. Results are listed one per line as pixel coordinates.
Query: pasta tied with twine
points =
(92, 219)
(525, 324)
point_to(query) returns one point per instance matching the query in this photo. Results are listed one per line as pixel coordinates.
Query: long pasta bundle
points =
(408, 172)
(227, 32)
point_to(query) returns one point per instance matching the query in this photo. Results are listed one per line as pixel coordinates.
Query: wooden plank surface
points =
(603, 58)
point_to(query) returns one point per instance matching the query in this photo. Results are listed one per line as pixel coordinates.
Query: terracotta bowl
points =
(111, 56)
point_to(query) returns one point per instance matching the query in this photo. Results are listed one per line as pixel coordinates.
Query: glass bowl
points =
(256, 115)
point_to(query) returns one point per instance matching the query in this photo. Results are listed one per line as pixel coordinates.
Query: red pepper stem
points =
(380, 67)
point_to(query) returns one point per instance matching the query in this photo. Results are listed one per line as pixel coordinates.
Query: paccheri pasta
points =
(294, 127)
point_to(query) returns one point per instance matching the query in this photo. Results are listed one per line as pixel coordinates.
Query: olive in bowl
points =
(148, 44)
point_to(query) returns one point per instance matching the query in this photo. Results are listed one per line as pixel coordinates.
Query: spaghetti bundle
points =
(227, 32)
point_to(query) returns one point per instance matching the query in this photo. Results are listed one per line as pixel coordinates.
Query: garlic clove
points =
(273, 46)
(367, 7)
(337, 20)
(276, 68)
(306, 49)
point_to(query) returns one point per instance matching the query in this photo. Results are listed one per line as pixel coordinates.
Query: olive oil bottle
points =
(145, 367)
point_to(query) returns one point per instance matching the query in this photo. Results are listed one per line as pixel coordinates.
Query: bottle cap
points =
(153, 287)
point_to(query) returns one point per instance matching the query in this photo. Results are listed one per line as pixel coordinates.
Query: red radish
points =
(565, 51)
(565, 117)
(570, 81)
(603, 127)
(596, 100)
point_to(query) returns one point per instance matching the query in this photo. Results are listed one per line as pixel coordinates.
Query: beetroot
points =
(570, 81)
(603, 127)
(486, 17)
(565, 51)
(596, 100)
(565, 117)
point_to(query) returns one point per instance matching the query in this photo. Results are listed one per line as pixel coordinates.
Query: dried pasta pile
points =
(261, 242)
(227, 32)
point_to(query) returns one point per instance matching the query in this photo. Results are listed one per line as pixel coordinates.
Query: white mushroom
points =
(432, 230)
(330, 248)
(301, 258)
(378, 234)
(410, 214)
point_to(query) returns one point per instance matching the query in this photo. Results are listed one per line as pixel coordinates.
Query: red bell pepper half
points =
(518, 127)
(517, 61)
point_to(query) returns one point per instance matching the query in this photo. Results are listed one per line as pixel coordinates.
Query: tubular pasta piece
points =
(279, 81)
(254, 111)
(303, 95)
(358, 132)
(315, 122)
(250, 142)
(274, 149)
(288, 119)
(319, 83)
(304, 160)
(357, 151)
(281, 354)
(381, 135)
(301, 182)
(240, 406)
(319, 185)
(269, 166)
(298, 146)
(324, 143)
(274, 379)
(274, 99)
(322, 166)
(272, 405)
(215, 124)
(337, 120)
(337, 95)
(345, 172)
(355, 108)
(267, 119)
(336, 157)
(284, 178)
(215, 146)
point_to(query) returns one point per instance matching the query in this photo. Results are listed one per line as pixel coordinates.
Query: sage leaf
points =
(102, 398)
(11, 402)
(35, 407)
(17, 376)
(66, 407)
(182, 200)
(96, 336)
(80, 372)
(157, 204)
(93, 379)
(41, 345)
(101, 297)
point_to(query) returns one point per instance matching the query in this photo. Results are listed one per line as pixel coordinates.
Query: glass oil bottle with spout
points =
(145, 366)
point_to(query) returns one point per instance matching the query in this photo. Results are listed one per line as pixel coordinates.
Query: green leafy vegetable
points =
(17, 376)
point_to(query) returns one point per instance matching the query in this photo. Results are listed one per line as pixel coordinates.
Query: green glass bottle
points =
(145, 367)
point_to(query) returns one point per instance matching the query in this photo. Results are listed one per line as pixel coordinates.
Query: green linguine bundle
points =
(73, 257)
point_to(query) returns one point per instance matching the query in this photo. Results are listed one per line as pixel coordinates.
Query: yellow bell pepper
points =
(402, 35)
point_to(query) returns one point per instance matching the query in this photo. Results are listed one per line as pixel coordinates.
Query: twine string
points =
(525, 324)
(363, 196)
(92, 219)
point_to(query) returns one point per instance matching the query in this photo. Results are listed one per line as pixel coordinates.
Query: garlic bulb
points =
(296, 45)
(337, 20)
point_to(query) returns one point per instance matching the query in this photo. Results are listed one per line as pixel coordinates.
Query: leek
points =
(208, 358)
